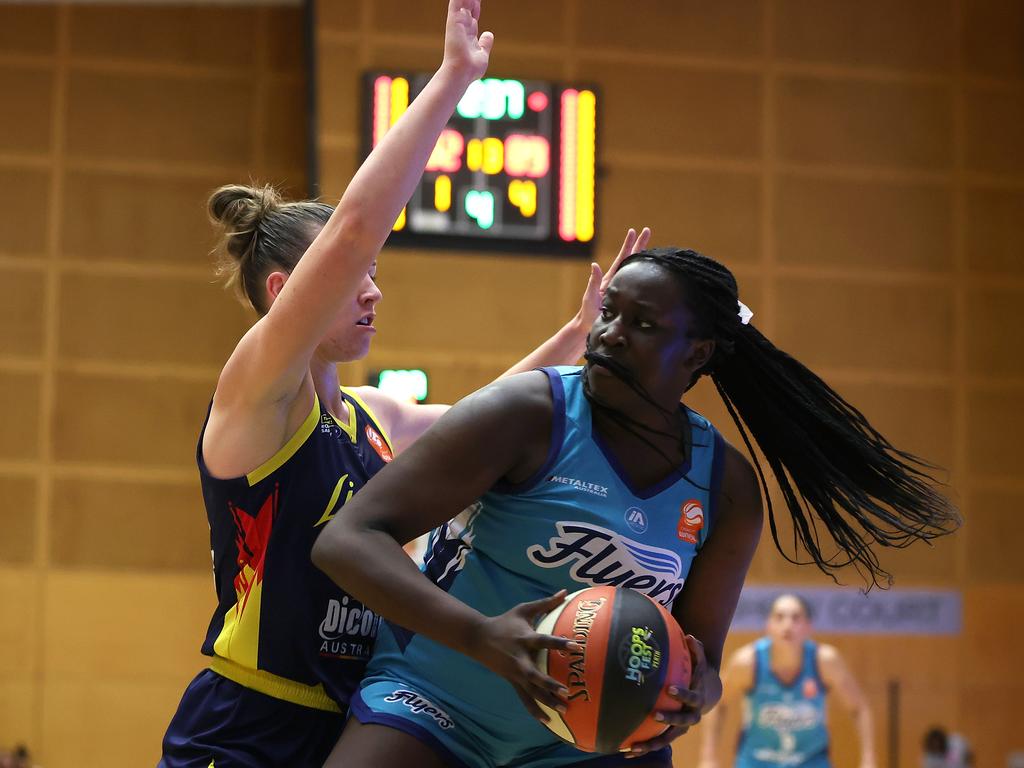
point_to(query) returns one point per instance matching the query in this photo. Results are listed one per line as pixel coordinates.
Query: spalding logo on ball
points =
(632, 651)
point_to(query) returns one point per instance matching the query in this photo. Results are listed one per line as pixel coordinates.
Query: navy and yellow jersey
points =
(282, 627)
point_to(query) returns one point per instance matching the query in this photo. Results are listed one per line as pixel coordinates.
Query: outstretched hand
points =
(465, 50)
(507, 644)
(693, 701)
(590, 307)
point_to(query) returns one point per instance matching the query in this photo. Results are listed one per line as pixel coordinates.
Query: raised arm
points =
(718, 570)
(272, 359)
(502, 431)
(839, 680)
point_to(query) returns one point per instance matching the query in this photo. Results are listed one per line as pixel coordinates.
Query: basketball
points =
(632, 652)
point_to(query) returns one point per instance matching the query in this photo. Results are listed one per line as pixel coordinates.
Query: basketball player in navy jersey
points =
(284, 447)
(782, 680)
(574, 477)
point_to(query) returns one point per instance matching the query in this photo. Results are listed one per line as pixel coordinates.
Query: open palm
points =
(590, 307)
(465, 49)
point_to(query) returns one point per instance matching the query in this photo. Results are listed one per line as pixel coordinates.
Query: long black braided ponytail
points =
(831, 465)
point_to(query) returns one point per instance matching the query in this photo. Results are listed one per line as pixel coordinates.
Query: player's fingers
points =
(544, 689)
(538, 641)
(628, 240)
(696, 647)
(642, 240)
(593, 282)
(531, 706)
(627, 248)
(683, 718)
(545, 604)
(487, 41)
(686, 696)
(658, 742)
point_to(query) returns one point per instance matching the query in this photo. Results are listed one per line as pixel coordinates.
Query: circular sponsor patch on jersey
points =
(636, 519)
(810, 688)
(691, 520)
(378, 444)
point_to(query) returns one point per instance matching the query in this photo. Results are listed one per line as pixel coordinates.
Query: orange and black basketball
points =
(632, 652)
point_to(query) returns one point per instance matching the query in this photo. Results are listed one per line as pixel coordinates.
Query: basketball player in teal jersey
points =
(782, 680)
(285, 447)
(573, 477)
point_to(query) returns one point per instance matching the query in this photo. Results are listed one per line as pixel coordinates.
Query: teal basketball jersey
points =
(784, 725)
(577, 522)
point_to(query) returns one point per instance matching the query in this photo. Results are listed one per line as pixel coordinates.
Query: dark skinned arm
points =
(502, 431)
(705, 607)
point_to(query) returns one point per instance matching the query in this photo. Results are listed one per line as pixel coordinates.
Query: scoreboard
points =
(513, 170)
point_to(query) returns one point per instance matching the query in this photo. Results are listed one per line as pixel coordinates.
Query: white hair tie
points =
(744, 314)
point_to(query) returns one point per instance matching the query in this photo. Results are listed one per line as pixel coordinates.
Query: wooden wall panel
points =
(18, 523)
(118, 650)
(714, 212)
(867, 325)
(19, 439)
(136, 421)
(127, 115)
(685, 28)
(870, 225)
(995, 238)
(996, 345)
(188, 322)
(197, 36)
(992, 31)
(992, 538)
(30, 88)
(865, 122)
(150, 527)
(640, 114)
(339, 16)
(24, 194)
(914, 35)
(31, 30)
(996, 418)
(995, 122)
(510, 306)
(22, 313)
(142, 218)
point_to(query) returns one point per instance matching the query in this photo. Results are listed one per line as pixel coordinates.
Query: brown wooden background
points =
(860, 166)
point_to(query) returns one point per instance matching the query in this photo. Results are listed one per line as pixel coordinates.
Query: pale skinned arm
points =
(271, 362)
(737, 679)
(265, 389)
(839, 680)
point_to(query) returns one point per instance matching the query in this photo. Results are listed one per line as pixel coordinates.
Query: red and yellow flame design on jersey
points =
(239, 639)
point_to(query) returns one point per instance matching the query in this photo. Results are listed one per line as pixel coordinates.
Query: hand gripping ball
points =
(632, 652)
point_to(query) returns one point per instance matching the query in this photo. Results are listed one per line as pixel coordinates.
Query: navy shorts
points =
(222, 724)
(474, 739)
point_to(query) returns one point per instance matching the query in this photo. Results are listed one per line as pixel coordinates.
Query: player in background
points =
(782, 681)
